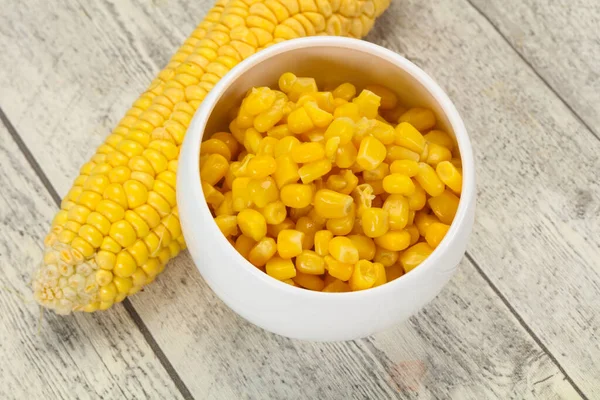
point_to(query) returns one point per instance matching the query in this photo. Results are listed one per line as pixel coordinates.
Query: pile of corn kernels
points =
(332, 191)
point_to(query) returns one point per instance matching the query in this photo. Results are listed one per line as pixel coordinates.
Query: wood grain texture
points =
(538, 214)
(561, 41)
(80, 356)
(75, 82)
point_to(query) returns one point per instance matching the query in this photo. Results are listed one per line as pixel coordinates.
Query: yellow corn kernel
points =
(301, 86)
(309, 228)
(123, 233)
(240, 194)
(341, 127)
(401, 153)
(261, 166)
(299, 121)
(380, 274)
(267, 146)
(314, 170)
(286, 82)
(436, 154)
(364, 245)
(310, 282)
(262, 252)
(435, 233)
(273, 230)
(414, 234)
(212, 196)
(342, 249)
(444, 206)
(320, 118)
(331, 147)
(296, 195)
(338, 269)
(429, 180)
(421, 118)
(364, 275)
(440, 138)
(263, 191)
(345, 91)
(322, 239)
(371, 153)
(280, 268)
(215, 146)
(368, 103)
(286, 171)
(227, 224)
(342, 226)
(389, 100)
(409, 137)
(393, 240)
(229, 140)
(398, 184)
(386, 257)
(285, 146)
(418, 199)
(346, 155)
(329, 204)
(289, 243)
(394, 272)
(398, 208)
(383, 132)
(336, 286)
(252, 139)
(243, 245)
(124, 265)
(213, 170)
(349, 110)
(375, 222)
(423, 220)
(252, 224)
(274, 212)
(258, 100)
(351, 182)
(450, 176)
(309, 262)
(308, 152)
(226, 205)
(405, 167)
(279, 132)
(415, 255)
(378, 173)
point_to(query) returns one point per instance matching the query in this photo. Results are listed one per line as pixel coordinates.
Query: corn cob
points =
(118, 226)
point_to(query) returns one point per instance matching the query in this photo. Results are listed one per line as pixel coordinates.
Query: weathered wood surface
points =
(74, 80)
(79, 356)
(561, 42)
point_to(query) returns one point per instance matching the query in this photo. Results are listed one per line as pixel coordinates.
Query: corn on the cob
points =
(118, 226)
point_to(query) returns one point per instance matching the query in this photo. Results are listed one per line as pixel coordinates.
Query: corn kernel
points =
(308, 152)
(252, 139)
(380, 274)
(258, 100)
(286, 172)
(383, 132)
(309, 228)
(212, 196)
(423, 220)
(329, 204)
(285, 146)
(310, 282)
(289, 243)
(309, 262)
(440, 138)
(393, 240)
(398, 184)
(274, 212)
(215, 146)
(299, 121)
(429, 180)
(436, 154)
(342, 226)
(337, 286)
(375, 222)
(227, 224)
(409, 137)
(322, 239)
(273, 230)
(401, 153)
(262, 252)
(243, 245)
(225, 208)
(349, 110)
(342, 249)
(341, 127)
(280, 268)
(415, 255)
(421, 118)
(450, 176)
(320, 118)
(368, 103)
(279, 132)
(378, 173)
(263, 191)
(435, 233)
(386, 257)
(338, 269)
(212, 171)
(229, 140)
(345, 91)
(252, 224)
(397, 207)
(389, 100)
(405, 167)
(302, 86)
(364, 245)
(314, 170)
(241, 197)
(346, 155)
(296, 195)
(371, 153)
(394, 272)
(364, 276)
(444, 206)
(414, 234)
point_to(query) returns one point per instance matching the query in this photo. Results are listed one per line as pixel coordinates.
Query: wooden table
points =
(521, 318)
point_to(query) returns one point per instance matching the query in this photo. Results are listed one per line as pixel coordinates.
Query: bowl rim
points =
(467, 199)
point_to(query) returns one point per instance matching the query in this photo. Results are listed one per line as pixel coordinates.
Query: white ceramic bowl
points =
(276, 306)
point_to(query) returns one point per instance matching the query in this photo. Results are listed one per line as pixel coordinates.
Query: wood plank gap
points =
(522, 322)
(133, 314)
(595, 133)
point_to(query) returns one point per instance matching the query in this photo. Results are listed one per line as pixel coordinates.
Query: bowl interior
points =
(328, 65)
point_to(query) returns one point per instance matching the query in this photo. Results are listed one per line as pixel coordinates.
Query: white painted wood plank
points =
(538, 211)
(561, 40)
(80, 356)
(217, 354)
